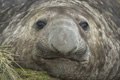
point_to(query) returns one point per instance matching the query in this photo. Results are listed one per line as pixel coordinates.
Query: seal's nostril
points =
(73, 50)
(53, 48)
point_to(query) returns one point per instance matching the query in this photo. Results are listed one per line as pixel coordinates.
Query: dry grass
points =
(6, 70)
(28, 74)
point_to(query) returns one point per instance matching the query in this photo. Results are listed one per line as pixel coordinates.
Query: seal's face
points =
(61, 40)
(61, 46)
(71, 40)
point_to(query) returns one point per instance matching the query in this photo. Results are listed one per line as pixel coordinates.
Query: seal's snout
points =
(63, 36)
(63, 40)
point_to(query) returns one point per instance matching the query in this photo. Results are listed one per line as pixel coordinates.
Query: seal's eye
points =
(84, 25)
(40, 24)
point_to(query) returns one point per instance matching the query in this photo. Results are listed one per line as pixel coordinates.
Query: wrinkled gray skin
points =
(62, 47)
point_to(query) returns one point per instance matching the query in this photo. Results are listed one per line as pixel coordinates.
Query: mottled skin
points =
(63, 46)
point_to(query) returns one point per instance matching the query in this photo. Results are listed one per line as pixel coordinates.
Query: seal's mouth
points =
(62, 58)
(45, 57)
(56, 61)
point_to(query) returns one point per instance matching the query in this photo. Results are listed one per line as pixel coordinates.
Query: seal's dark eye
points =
(40, 24)
(84, 25)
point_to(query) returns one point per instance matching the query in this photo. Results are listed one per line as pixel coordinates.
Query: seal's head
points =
(61, 45)
(70, 40)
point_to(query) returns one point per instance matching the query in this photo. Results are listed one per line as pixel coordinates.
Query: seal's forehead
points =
(54, 3)
(73, 7)
(50, 12)
(66, 11)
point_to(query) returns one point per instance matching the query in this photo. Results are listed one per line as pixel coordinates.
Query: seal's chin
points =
(59, 67)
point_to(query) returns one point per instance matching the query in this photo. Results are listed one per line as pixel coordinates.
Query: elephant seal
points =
(70, 39)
